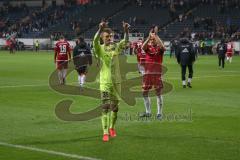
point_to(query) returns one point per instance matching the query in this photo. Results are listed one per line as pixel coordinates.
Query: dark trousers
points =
(202, 50)
(221, 61)
(36, 49)
(184, 69)
(171, 53)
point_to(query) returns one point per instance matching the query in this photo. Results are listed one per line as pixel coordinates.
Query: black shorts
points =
(81, 70)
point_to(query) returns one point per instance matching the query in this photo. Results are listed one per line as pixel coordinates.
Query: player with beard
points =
(154, 49)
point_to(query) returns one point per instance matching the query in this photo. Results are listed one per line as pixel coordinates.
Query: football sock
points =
(105, 122)
(184, 82)
(64, 73)
(80, 80)
(113, 119)
(83, 79)
(159, 104)
(147, 104)
(189, 80)
(230, 59)
(60, 76)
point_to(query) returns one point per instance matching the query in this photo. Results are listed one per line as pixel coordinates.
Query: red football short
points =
(151, 80)
(152, 77)
(229, 54)
(62, 64)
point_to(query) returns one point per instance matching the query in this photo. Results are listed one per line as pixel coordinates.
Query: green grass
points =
(27, 115)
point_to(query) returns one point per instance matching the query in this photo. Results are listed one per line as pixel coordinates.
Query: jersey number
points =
(63, 49)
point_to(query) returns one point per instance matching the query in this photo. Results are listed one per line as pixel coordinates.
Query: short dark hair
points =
(81, 39)
(61, 37)
(76, 42)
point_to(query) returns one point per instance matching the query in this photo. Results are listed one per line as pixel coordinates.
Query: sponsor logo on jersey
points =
(82, 54)
(185, 50)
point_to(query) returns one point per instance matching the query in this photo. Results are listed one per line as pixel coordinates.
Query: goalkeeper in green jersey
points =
(110, 78)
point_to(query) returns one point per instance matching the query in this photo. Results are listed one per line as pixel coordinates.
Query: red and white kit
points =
(153, 68)
(141, 55)
(63, 49)
(229, 52)
(229, 49)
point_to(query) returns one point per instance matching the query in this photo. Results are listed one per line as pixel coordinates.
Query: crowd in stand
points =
(56, 35)
(7, 10)
(40, 20)
(212, 28)
(77, 24)
(219, 32)
(36, 21)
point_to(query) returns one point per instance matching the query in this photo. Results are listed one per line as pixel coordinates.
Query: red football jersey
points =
(139, 51)
(154, 58)
(154, 54)
(62, 48)
(229, 48)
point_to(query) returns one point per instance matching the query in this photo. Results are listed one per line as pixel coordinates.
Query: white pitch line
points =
(29, 85)
(207, 77)
(25, 85)
(74, 156)
(41, 85)
(209, 72)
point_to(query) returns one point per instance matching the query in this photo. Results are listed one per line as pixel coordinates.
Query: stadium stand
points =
(9, 15)
(91, 15)
(197, 18)
(142, 15)
(214, 19)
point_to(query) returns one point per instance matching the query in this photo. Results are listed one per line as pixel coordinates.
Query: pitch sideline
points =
(67, 155)
(172, 78)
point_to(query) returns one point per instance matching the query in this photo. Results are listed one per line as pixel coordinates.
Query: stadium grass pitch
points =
(209, 127)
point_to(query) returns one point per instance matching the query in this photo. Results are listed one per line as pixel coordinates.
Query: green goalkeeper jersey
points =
(110, 71)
